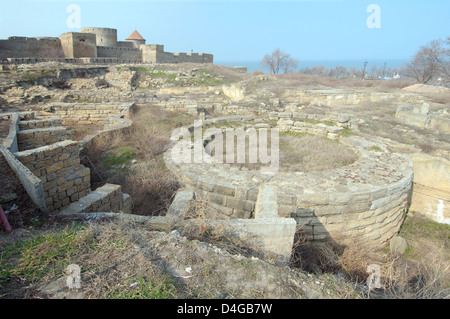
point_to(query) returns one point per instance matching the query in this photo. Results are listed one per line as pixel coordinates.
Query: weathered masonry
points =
(92, 45)
(364, 201)
(48, 165)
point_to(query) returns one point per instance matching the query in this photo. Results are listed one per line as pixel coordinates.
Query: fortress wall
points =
(79, 45)
(127, 44)
(120, 53)
(104, 36)
(21, 47)
(154, 53)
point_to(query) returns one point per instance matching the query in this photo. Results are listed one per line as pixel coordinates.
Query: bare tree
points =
(279, 61)
(430, 62)
(341, 71)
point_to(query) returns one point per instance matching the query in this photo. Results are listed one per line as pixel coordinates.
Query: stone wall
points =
(104, 36)
(340, 97)
(91, 45)
(52, 174)
(33, 138)
(87, 113)
(431, 195)
(120, 53)
(153, 53)
(365, 200)
(31, 183)
(108, 198)
(22, 47)
(421, 116)
(78, 45)
(64, 179)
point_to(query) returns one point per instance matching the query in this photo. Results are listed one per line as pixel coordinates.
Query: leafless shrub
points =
(279, 61)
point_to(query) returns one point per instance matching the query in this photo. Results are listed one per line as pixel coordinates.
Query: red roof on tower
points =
(135, 36)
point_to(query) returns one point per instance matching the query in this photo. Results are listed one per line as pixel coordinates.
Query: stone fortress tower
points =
(92, 45)
(105, 37)
(136, 38)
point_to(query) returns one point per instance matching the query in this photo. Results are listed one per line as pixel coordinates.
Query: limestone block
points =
(431, 191)
(266, 203)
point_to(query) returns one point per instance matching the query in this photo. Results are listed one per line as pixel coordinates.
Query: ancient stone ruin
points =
(364, 201)
(48, 165)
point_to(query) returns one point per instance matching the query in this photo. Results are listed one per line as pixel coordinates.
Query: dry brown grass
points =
(312, 153)
(148, 181)
(298, 79)
(301, 153)
(422, 272)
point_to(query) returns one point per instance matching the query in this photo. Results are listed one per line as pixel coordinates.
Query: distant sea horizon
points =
(253, 66)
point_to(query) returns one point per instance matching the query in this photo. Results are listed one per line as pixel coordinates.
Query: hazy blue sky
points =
(246, 30)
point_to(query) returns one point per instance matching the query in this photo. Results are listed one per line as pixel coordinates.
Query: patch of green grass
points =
(329, 123)
(375, 149)
(35, 258)
(418, 226)
(160, 287)
(347, 132)
(292, 133)
(119, 156)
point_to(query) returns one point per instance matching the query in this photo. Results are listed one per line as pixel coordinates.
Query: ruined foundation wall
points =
(64, 179)
(86, 114)
(366, 200)
(52, 174)
(431, 195)
(345, 97)
(422, 117)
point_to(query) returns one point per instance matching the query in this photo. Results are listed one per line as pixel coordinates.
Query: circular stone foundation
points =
(364, 200)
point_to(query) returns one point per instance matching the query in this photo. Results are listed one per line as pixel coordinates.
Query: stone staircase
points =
(46, 150)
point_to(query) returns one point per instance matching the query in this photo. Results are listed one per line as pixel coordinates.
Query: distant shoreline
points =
(253, 66)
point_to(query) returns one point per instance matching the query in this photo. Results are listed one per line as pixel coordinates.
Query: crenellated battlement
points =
(92, 44)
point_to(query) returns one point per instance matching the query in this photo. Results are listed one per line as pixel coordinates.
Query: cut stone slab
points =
(266, 203)
(181, 203)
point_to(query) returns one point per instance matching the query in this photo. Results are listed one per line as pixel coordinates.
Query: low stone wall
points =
(31, 183)
(420, 116)
(86, 114)
(108, 198)
(52, 174)
(64, 180)
(33, 138)
(365, 200)
(340, 97)
(431, 195)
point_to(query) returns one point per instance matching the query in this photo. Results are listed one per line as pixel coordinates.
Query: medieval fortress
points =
(92, 45)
